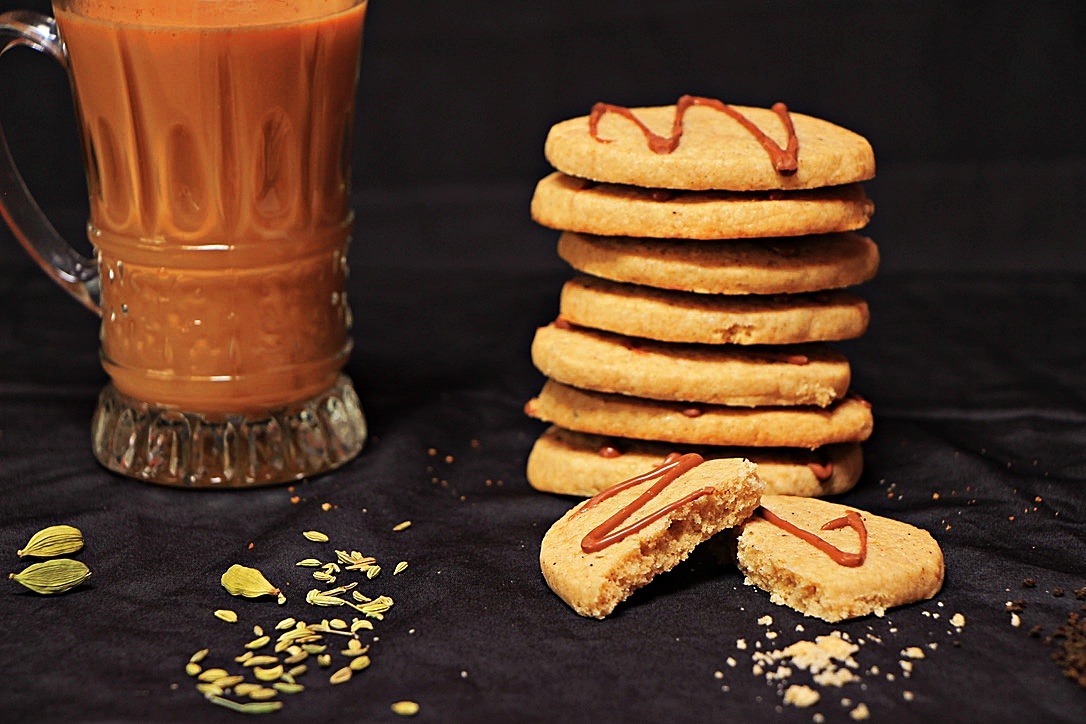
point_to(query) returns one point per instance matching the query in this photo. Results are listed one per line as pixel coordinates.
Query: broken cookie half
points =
(610, 545)
(835, 562)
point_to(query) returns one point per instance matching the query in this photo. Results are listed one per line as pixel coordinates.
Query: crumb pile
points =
(831, 670)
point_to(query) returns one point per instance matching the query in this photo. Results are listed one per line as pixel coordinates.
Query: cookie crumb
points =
(957, 620)
(801, 695)
(860, 713)
(1016, 620)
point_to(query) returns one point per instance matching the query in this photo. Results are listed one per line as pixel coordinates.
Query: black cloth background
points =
(975, 363)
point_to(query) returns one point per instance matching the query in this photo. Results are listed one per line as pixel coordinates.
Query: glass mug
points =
(216, 138)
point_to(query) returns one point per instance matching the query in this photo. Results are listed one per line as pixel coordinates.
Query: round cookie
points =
(727, 266)
(600, 413)
(670, 316)
(903, 563)
(572, 204)
(715, 151)
(608, 546)
(573, 463)
(718, 374)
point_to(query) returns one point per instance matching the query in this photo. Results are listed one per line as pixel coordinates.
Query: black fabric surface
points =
(995, 430)
(975, 365)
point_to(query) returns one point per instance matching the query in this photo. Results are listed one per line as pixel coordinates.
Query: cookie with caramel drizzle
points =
(614, 543)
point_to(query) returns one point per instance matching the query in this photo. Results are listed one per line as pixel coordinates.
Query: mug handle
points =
(77, 274)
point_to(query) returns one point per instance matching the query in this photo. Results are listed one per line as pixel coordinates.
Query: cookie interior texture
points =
(593, 584)
(904, 564)
(572, 463)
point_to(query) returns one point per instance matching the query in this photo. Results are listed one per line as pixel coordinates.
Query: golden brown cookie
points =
(571, 204)
(719, 374)
(698, 424)
(714, 150)
(671, 316)
(727, 266)
(573, 463)
(903, 563)
(610, 545)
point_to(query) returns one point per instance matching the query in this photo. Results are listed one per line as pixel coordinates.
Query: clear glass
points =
(216, 138)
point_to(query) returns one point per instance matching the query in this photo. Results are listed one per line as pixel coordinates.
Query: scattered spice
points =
(316, 536)
(251, 707)
(272, 664)
(402, 526)
(56, 540)
(405, 708)
(1070, 642)
(248, 582)
(51, 577)
(341, 676)
(225, 614)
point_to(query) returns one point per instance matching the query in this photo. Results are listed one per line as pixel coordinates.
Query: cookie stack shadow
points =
(710, 281)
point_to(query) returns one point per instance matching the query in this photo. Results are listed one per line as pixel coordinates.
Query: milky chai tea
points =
(216, 137)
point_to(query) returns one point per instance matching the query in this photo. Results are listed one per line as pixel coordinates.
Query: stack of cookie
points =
(713, 246)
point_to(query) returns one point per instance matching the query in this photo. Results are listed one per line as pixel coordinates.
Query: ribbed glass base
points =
(172, 447)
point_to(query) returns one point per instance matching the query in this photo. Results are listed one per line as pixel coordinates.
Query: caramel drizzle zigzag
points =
(605, 534)
(851, 519)
(785, 160)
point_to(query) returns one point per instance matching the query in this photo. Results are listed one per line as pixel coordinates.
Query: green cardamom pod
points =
(55, 576)
(56, 540)
(248, 582)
